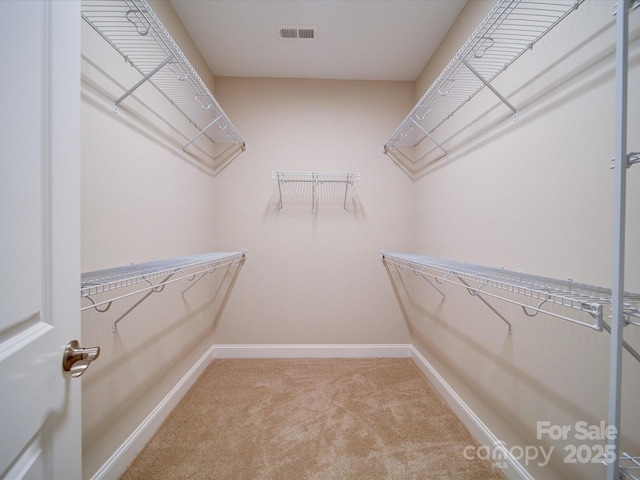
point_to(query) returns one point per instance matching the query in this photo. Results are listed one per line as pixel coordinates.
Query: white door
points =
(40, 409)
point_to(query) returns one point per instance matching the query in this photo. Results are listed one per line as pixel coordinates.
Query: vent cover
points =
(290, 32)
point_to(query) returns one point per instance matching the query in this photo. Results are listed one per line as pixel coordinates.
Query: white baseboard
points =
(514, 469)
(313, 351)
(117, 464)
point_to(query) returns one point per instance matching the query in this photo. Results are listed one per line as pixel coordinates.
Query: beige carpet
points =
(311, 419)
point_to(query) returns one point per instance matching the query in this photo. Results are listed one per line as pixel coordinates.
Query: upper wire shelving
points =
(315, 179)
(149, 277)
(508, 31)
(533, 293)
(134, 30)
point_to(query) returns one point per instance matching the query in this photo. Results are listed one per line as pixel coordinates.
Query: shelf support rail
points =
(215, 120)
(475, 292)
(278, 176)
(314, 192)
(634, 353)
(427, 134)
(151, 291)
(208, 270)
(144, 79)
(492, 88)
(346, 189)
(420, 274)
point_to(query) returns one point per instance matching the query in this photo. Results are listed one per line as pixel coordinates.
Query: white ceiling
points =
(357, 39)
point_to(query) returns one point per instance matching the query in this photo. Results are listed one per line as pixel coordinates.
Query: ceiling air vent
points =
(289, 32)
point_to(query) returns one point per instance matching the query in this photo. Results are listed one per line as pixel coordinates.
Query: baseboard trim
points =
(514, 470)
(312, 351)
(118, 463)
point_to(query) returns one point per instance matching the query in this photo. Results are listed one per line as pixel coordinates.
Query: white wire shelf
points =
(508, 31)
(629, 467)
(533, 293)
(316, 179)
(133, 29)
(163, 272)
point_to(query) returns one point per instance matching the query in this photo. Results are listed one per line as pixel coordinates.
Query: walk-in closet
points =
(321, 239)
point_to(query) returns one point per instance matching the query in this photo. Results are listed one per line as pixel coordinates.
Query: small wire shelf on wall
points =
(341, 180)
(133, 30)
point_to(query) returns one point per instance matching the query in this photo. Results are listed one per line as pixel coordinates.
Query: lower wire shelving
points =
(559, 298)
(629, 467)
(150, 277)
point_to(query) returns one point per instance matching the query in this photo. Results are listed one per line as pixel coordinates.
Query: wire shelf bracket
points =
(316, 179)
(510, 29)
(632, 159)
(167, 271)
(629, 467)
(133, 30)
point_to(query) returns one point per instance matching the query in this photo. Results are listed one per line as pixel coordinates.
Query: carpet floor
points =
(315, 419)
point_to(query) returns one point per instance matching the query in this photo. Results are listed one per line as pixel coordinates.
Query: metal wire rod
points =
(144, 79)
(202, 132)
(201, 277)
(491, 87)
(428, 135)
(426, 279)
(634, 353)
(114, 327)
(629, 467)
(491, 307)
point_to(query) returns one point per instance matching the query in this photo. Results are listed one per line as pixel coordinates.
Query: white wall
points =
(313, 277)
(536, 196)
